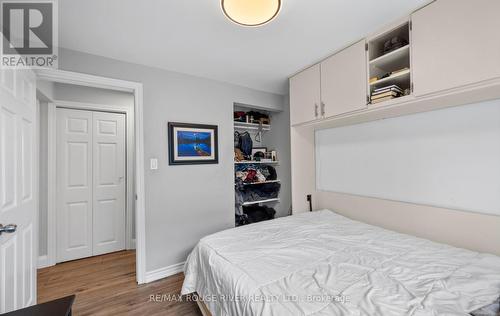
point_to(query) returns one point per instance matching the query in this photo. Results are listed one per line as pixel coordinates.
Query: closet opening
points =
(261, 185)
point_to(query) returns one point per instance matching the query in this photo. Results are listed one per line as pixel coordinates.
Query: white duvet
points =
(322, 263)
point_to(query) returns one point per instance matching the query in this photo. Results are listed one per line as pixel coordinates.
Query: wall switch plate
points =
(153, 163)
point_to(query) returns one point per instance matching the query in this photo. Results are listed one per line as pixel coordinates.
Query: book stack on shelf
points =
(386, 93)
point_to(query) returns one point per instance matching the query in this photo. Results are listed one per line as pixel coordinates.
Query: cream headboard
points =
(473, 231)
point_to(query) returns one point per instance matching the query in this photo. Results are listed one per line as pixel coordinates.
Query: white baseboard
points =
(43, 262)
(164, 272)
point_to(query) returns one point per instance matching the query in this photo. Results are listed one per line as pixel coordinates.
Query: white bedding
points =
(322, 263)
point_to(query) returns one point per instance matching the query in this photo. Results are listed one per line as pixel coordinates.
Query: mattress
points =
(322, 263)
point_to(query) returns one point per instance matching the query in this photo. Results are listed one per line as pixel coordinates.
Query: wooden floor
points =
(105, 285)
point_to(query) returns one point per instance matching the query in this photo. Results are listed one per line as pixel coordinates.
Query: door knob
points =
(8, 228)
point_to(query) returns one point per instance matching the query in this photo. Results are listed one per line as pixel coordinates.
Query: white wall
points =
(447, 158)
(183, 203)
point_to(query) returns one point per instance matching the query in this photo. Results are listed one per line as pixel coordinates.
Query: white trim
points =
(69, 77)
(43, 262)
(86, 80)
(164, 272)
(51, 184)
(36, 187)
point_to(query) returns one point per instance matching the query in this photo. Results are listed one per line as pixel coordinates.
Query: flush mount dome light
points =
(251, 12)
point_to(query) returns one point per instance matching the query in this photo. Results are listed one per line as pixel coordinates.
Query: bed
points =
(322, 263)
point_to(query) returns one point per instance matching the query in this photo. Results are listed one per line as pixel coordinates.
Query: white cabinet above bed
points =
(343, 81)
(305, 96)
(446, 48)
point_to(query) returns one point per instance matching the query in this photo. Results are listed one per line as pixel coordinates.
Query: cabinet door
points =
(108, 190)
(305, 95)
(344, 81)
(455, 43)
(74, 184)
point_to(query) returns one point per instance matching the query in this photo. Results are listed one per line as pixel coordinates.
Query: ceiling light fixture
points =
(251, 12)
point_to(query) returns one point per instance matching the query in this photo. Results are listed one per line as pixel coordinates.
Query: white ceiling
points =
(194, 37)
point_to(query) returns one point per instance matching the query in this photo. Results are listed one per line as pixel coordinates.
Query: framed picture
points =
(192, 144)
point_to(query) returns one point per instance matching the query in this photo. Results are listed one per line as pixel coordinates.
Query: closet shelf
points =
(261, 182)
(261, 201)
(396, 57)
(401, 77)
(251, 126)
(248, 162)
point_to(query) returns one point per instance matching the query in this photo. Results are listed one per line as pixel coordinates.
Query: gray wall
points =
(83, 94)
(183, 203)
(279, 138)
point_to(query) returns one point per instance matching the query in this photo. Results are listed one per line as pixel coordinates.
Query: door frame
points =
(52, 168)
(74, 78)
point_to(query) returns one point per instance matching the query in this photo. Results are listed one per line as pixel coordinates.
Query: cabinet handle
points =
(322, 109)
(315, 109)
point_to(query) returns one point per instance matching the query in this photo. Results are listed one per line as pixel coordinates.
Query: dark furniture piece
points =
(59, 307)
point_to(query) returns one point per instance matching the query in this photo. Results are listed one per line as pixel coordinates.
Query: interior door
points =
(18, 194)
(74, 184)
(109, 182)
(455, 43)
(305, 95)
(343, 81)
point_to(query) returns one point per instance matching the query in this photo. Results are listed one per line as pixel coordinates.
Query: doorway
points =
(133, 178)
(91, 183)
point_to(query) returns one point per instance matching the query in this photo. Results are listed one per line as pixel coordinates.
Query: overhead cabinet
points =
(448, 44)
(305, 96)
(333, 87)
(343, 81)
(455, 43)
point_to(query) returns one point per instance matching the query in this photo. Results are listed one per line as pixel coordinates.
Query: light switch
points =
(153, 162)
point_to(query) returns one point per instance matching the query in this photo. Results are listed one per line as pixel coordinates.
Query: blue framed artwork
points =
(192, 144)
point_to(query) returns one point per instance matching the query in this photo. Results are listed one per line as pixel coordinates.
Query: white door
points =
(18, 194)
(305, 96)
(109, 182)
(455, 43)
(90, 183)
(343, 81)
(74, 184)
